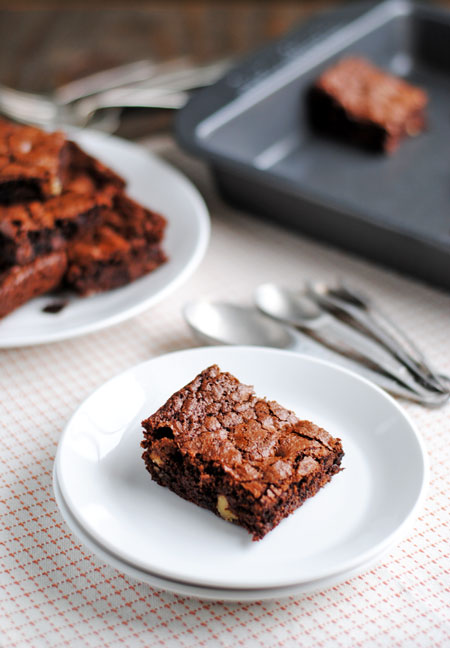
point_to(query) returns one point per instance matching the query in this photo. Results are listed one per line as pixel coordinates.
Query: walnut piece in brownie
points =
(32, 163)
(360, 103)
(247, 459)
(21, 283)
(124, 247)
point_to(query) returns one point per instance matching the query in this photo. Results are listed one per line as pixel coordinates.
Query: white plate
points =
(355, 517)
(161, 188)
(197, 591)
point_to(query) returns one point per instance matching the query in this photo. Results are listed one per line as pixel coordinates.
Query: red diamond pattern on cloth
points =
(54, 592)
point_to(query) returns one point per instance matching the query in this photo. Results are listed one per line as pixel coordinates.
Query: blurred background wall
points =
(43, 44)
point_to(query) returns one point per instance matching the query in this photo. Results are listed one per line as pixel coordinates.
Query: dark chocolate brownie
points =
(359, 103)
(35, 228)
(124, 247)
(247, 459)
(21, 283)
(53, 194)
(133, 221)
(87, 175)
(32, 163)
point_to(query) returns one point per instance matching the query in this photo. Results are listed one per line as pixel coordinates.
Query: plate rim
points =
(185, 588)
(391, 539)
(204, 226)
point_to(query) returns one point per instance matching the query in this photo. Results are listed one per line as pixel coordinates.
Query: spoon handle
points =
(301, 310)
(308, 346)
(349, 342)
(381, 327)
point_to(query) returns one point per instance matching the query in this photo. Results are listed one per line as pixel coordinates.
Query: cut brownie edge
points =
(125, 246)
(34, 229)
(238, 505)
(21, 283)
(246, 459)
(88, 275)
(87, 175)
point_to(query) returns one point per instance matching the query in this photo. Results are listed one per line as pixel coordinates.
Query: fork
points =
(142, 84)
(33, 109)
(42, 109)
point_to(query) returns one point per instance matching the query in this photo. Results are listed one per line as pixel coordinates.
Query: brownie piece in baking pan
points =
(245, 458)
(21, 283)
(360, 103)
(126, 245)
(32, 163)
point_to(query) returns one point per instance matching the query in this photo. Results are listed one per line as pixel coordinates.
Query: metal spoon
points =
(301, 311)
(351, 305)
(224, 323)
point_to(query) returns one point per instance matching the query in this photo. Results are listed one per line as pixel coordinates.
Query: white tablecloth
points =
(54, 592)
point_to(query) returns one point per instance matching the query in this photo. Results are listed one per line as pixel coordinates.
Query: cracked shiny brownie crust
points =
(247, 459)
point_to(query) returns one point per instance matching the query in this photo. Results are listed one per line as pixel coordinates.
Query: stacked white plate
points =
(111, 504)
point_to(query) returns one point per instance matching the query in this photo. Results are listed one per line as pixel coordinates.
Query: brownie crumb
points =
(54, 307)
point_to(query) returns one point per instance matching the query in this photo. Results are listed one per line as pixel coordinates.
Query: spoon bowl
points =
(216, 322)
(225, 323)
(294, 308)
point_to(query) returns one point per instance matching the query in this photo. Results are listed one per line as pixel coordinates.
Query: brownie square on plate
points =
(245, 458)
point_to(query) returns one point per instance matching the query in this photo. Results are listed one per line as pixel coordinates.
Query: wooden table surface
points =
(43, 45)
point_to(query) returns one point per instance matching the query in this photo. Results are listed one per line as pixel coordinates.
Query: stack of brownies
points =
(65, 220)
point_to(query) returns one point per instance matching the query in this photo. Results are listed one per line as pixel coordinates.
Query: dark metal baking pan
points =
(252, 128)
